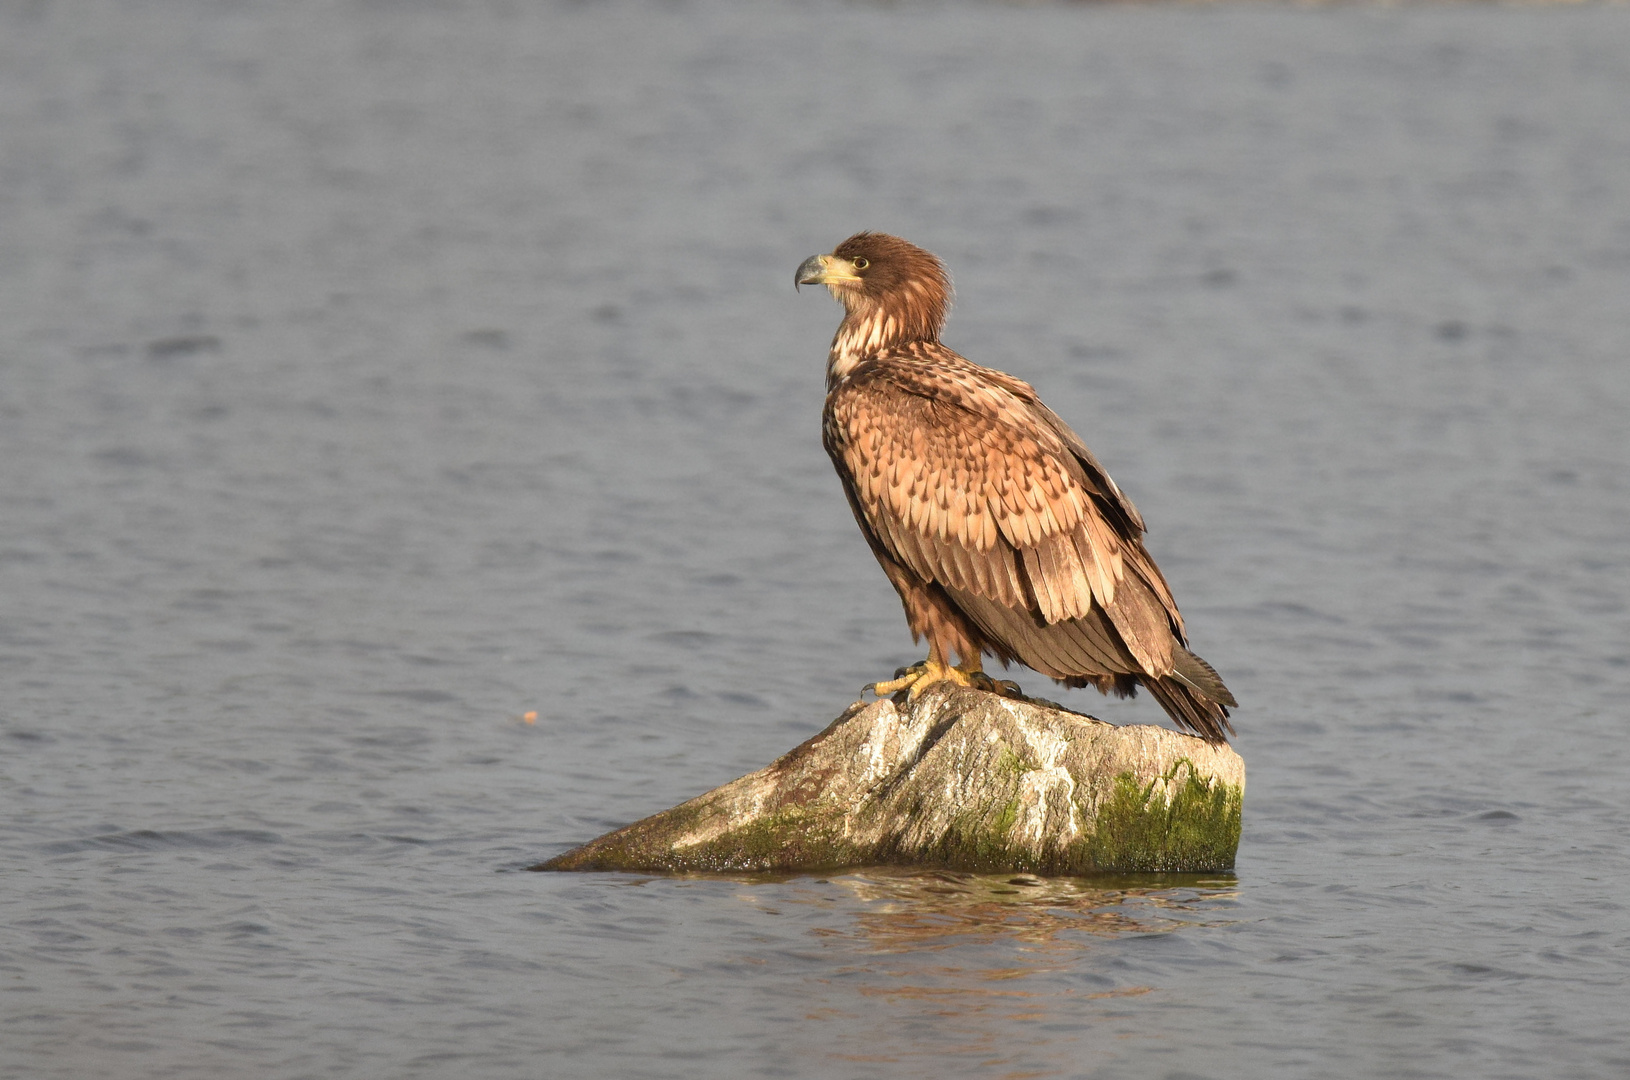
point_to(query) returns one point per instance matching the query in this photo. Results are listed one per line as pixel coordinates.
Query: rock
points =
(961, 779)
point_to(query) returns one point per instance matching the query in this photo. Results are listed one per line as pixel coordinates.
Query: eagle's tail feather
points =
(1193, 708)
(1200, 676)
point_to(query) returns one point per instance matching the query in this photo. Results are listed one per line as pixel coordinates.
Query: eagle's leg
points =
(931, 613)
(919, 676)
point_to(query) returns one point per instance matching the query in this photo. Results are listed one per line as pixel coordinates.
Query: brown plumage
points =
(998, 528)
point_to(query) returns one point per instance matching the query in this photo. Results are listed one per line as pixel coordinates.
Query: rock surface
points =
(961, 779)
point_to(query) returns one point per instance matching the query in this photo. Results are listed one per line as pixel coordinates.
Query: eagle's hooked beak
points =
(824, 270)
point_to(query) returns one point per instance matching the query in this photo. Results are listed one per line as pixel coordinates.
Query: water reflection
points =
(1011, 974)
(907, 911)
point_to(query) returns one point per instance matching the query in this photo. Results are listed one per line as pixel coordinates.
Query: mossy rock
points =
(960, 779)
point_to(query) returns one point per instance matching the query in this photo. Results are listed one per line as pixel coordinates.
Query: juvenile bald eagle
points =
(997, 526)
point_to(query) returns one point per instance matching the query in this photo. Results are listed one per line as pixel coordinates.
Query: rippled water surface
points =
(372, 375)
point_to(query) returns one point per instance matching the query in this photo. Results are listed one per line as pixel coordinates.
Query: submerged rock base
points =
(961, 779)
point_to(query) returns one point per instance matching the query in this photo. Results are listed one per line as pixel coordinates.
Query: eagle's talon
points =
(1003, 687)
(905, 678)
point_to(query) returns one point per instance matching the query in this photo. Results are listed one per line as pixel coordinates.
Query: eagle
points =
(993, 521)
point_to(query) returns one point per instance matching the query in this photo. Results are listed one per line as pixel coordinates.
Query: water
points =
(371, 375)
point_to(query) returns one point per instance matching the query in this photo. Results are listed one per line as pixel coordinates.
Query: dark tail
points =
(1194, 696)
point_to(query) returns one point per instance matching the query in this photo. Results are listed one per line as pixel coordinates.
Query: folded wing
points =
(964, 477)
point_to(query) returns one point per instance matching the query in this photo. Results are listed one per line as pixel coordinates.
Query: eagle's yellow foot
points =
(923, 674)
(904, 679)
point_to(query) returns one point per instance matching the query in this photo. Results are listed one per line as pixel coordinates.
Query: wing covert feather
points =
(962, 485)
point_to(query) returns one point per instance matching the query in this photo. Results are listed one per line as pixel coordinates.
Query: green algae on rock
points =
(960, 779)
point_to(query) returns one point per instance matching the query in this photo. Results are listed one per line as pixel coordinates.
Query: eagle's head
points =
(878, 276)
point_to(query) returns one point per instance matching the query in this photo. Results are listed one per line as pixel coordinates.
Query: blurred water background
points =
(372, 374)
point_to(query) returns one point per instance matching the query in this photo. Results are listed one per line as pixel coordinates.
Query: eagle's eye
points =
(862, 263)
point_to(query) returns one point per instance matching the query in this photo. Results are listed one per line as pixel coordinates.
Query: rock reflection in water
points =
(907, 911)
(1009, 972)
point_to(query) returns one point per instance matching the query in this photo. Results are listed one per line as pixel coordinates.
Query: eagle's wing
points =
(963, 476)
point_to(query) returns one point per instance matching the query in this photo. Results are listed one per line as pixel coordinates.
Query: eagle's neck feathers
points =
(914, 312)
